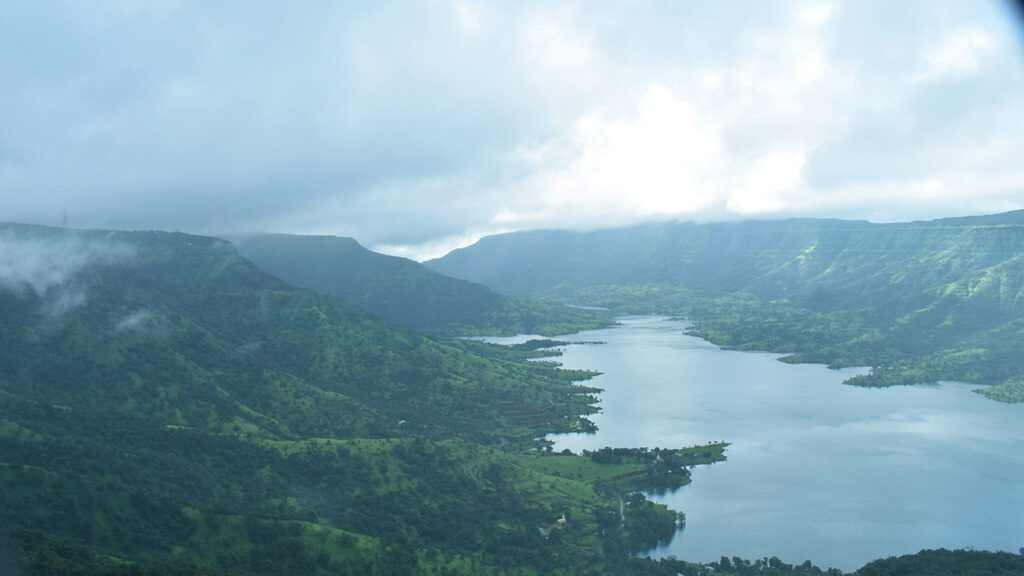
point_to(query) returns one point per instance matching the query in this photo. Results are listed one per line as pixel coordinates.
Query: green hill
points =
(166, 407)
(406, 291)
(917, 301)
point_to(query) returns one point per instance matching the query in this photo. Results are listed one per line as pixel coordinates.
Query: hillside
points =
(169, 409)
(917, 301)
(406, 291)
(166, 407)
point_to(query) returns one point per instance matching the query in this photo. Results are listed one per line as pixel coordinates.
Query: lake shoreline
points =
(854, 492)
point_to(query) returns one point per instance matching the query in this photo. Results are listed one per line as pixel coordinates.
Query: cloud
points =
(134, 322)
(469, 18)
(551, 41)
(767, 183)
(53, 268)
(142, 322)
(656, 162)
(413, 126)
(729, 141)
(437, 247)
(791, 123)
(815, 14)
(959, 55)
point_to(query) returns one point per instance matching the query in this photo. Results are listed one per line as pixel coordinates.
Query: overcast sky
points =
(416, 127)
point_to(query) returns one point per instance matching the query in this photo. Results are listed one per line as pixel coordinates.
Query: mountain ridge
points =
(406, 291)
(917, 301)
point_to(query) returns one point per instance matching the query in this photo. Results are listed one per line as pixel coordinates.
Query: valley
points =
(167, 407)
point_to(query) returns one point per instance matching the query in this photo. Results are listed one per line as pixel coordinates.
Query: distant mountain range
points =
(406, 291)
(918, 301)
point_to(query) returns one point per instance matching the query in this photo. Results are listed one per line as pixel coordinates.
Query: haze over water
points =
(817, 470)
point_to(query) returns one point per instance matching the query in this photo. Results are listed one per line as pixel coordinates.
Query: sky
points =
(416, 127)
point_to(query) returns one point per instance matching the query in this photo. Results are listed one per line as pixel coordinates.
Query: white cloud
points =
(51, 268)
(815, 14)
(717, 141)
(738, 135)
(658, 162)
(552, 41)
(134, 322)
(770, 185)
(959, 55)
(469, 18)
(41, 265)
(809, 68)
(920, 197)
(437, 247)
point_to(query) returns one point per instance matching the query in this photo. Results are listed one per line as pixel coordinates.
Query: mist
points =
(53, 268)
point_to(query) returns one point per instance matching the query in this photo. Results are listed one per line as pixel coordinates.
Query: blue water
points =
(817, 470)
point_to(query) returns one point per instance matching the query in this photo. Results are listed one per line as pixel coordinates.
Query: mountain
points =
(406, 291)
(917, 301)
(167, 407)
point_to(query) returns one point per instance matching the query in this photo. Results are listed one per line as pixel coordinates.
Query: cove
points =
(817, 470)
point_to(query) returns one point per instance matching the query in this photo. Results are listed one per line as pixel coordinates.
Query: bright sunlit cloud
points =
(657, 162)
(960, 54)
(767, 183)
(815, 14)
(469, 18)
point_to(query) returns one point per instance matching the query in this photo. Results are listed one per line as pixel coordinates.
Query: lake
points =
(817, 470)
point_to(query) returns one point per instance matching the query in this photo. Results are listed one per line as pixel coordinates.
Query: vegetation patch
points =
(1010, 392)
